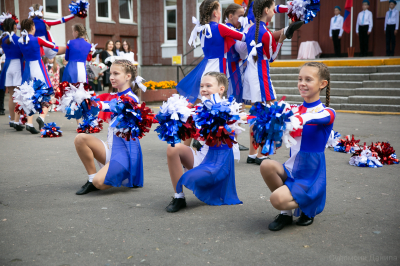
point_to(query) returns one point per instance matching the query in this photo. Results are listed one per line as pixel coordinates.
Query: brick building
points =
(162, 28)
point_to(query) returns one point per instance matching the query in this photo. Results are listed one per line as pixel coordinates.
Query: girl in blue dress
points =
(11, 74)
(120, 161)
(300, 183)
(43, 28)
(212, 171)
(213, 42)
(77, 53)
(32, 49)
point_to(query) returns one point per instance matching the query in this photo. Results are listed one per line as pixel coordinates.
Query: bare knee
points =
(80, 139)
(173, 151)
(267, 168)
(277, 201)
(97, 183)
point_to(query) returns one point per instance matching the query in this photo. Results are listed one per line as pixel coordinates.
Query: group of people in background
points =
(35, 55)
(364, 27)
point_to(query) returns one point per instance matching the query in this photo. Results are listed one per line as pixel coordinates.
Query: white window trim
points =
(125, 20)
(52, 15)
(104, 19)
(166, 8)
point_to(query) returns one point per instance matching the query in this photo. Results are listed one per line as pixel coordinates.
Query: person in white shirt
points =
(336, 30)
(127, 53)
(364, 27)
(391, 27)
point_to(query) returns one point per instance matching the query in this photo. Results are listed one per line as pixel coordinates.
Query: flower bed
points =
(158, 91)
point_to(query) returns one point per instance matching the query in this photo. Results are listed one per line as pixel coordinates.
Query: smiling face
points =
(119, 78)
(234, 18)
(125, 46)
(309, 84)
(209, 86)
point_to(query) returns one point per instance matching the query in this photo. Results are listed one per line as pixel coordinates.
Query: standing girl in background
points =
(301, 181)
(43, 28)
(263, 50)
(118, 157)
(77, 53)
(212, 36)
(108, 51)
(32, 48)
(11, 74)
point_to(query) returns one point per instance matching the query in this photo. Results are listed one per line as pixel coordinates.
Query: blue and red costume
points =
(257, 84)
(77, 53)
(306, 167)
(32, 49)
(216, 42)
(14, 58)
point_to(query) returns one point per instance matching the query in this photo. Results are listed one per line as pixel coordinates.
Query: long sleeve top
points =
(368, 20)
(392, 18)
(336, 25)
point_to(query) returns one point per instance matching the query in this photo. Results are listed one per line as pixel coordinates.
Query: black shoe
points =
(259, 161)
(133, 186)
(197, 145)
(242, 148)
(86, 188)
(40, 122)
(304, 220)
(2, 112)
(292, 28)
(11, 124)
(20, 127)
(175, 205)
(33, 130)
(251, 160)
(280, 221)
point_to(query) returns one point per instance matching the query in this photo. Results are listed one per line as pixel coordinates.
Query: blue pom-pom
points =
(268, 125)
(42, 95)
(79, 8)
(51, 130)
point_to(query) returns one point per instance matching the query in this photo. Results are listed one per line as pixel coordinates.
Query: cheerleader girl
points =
(11, 74)
(301, 181)
(77, 53)
(32, 48)
(212, 36)
(43, 28)
(263, 50)
(120, 161)
(212, 174)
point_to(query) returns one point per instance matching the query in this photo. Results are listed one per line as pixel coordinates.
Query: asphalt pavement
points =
(43, 222)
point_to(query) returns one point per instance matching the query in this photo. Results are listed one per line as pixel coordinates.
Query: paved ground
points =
(43, 222)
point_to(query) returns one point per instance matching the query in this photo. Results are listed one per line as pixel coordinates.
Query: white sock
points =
(263, 157)
(41, 118)
(31, 125)
(289, 212)
(253, 156)
(91, 177)
(16, 123)
(179, 195)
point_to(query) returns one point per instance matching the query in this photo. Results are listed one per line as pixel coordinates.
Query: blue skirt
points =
(213, 181)
(307, 182)
(126, 164)
(189, 86)
(71, 72)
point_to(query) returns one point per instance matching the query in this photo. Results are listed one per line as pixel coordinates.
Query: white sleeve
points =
(241, 48)
(330, 29)
(386, 20)
(357, 24)
(341, 27)
(371, 24)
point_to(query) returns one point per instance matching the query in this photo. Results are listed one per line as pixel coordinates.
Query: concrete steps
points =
(375, 88)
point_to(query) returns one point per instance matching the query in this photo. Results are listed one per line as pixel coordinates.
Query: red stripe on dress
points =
(332, 116)
(265, 80)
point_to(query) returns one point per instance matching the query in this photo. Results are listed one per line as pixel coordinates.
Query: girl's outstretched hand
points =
(282, 37)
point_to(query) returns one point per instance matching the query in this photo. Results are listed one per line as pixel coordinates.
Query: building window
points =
(103, 10)
(125, 11)
(52, 8)
(170, 19)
